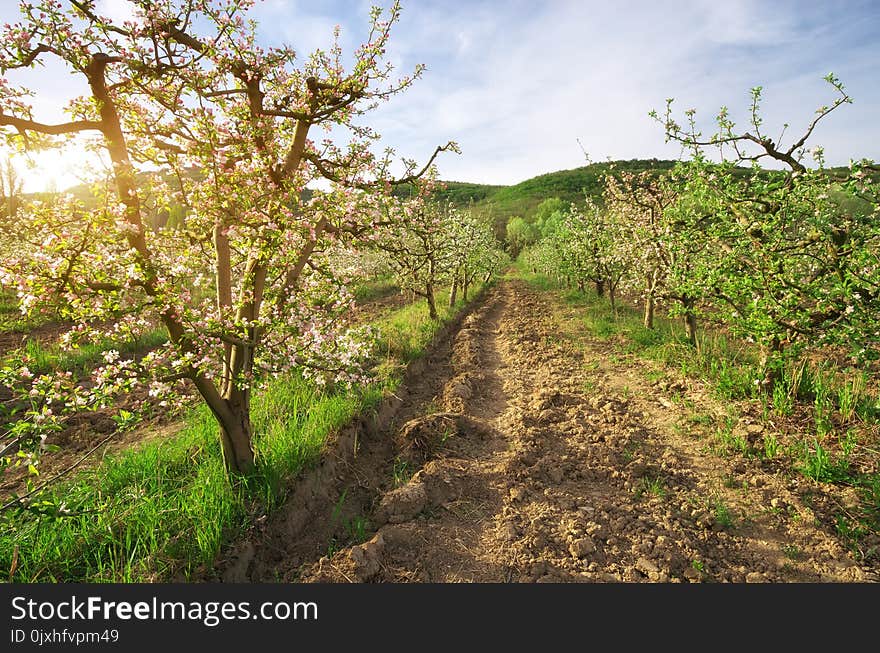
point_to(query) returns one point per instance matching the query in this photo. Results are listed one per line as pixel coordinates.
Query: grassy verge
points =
(821, 421)
(163, 510)
(406, 330)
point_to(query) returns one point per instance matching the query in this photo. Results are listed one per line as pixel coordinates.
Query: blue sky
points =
(518, 83)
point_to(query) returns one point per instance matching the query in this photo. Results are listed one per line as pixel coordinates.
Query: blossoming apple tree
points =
(796, 259)
(429, 242)
(586, 247)
(665, 232)
(236, 132)
(476, 252)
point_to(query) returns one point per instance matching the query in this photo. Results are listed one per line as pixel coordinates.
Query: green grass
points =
(721, 513)
(405, 330)
(719, 358)
(771, 446)
(730, 365)
(8, 305)
(11, 318)
(375, 288)
(401, 472)
(43, 358)
(652, 485)
(164, 509)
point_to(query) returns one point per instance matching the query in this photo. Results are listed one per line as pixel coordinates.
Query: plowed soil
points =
(520, 451)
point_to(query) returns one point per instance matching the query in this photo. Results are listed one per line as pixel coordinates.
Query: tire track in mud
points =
(546, 458)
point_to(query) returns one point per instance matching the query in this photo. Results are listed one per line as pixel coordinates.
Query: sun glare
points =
(56, 169)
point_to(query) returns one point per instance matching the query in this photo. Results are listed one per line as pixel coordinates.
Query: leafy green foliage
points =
(519, 234)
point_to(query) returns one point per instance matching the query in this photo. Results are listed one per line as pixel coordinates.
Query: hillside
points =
(502, 202)
(523, 198)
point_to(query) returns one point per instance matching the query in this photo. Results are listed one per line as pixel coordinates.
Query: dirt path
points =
(541, 455)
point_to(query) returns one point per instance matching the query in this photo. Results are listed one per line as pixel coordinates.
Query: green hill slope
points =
(502, 202)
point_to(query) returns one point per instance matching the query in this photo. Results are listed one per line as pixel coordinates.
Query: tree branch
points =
(84, 9)
(412, 177)
(23, 124)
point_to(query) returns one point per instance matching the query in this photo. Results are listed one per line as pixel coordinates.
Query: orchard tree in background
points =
(413, 237)
(475, 252)
(586, 247)
(796, 249)
(239, 130)
(668, 236)
(640, 201)
(595, 239)
(429, 243)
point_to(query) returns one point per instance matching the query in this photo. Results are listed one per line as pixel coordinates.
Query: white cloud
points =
(534, 83)
(118, 11)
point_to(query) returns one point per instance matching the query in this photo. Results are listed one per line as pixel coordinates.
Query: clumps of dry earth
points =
(538, 456)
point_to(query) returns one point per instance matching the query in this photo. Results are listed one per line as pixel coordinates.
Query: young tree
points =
(595, 240)
(519, 235)
(546, 258)
(474, 250)
(186, 85)
(640, 200)
(796, 249)
(668, 236)
(414, 237)
(586, 247)
(10, 192)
